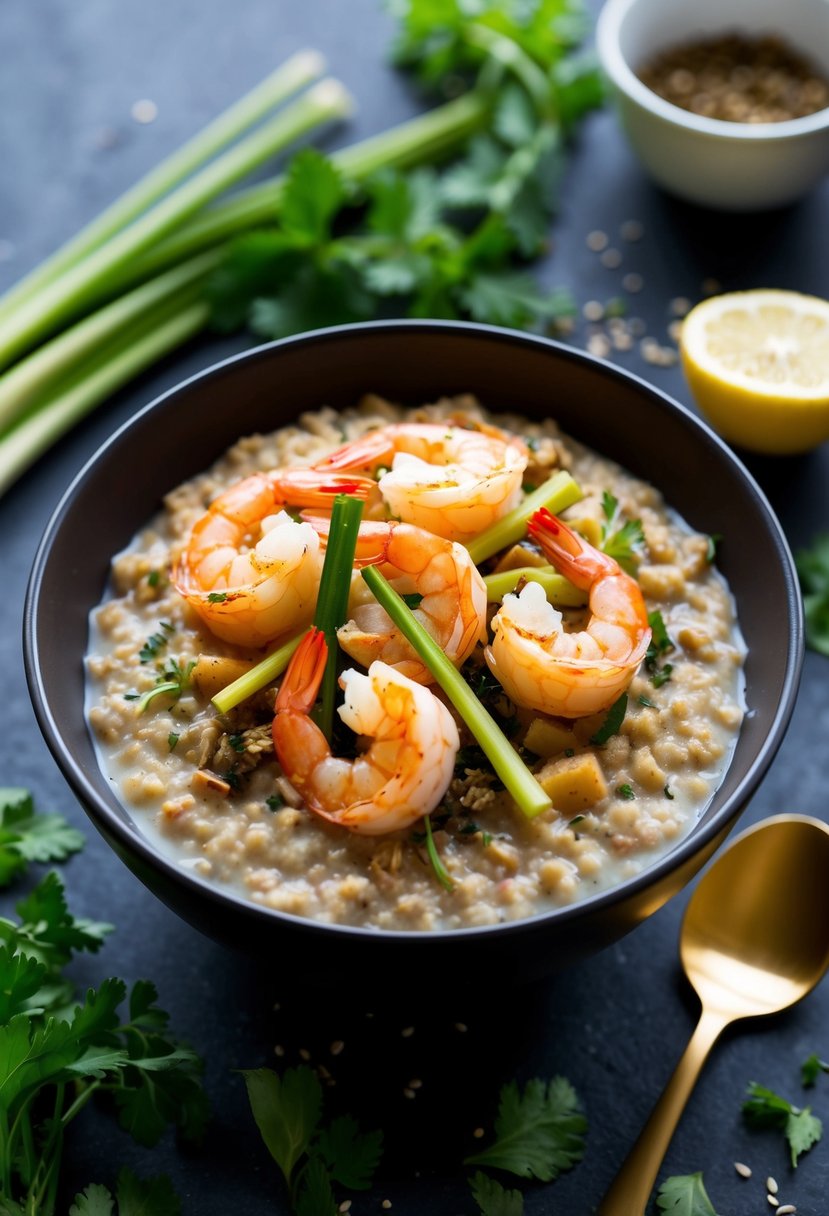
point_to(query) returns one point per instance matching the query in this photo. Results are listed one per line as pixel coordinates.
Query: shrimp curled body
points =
(570, 675)
(248, 569)
(405, 771)
(450, 480)
(449, 597)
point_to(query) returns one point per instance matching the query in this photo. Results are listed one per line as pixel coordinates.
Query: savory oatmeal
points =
(603, 644)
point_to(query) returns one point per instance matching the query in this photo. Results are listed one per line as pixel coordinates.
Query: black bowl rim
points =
(133, 841)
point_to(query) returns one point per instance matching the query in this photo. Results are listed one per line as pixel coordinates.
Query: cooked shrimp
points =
(451, 481)
(452, 604)
(248, 569)
(405, 771)
(574, 674)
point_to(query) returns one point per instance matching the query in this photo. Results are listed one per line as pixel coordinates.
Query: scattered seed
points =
(771, 1186)
(597, 241)
(386, 1204)
(632, 230)
(304, 1054)
(461, 1027)
(611, 258)
(416, 1083)
(144, 111)
(336, 1047)
(743, 1170)
(279, 1050)
(633, 282)
(593, 310)
(599, 345)
(622, 341)
(345, 1206)
(407, 1032)
(408, 1093)
(478, 1133)
(675, 330)
(773, 1200)
(679, 306)
(788, 1209)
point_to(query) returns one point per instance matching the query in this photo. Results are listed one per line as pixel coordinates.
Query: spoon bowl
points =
(754, 940)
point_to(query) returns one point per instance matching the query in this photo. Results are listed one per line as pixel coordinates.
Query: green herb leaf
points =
(350, 1155)
(801, 1128)
(28, 836)
(313, 194)
(146, 1197)
(685, 1195)
(94, 1200)
(314, 1194)
(539, 1132)
(441, 873)
(811, 1068)
(613, 721)
(813, 569)
(625, 791)
(493, 1199)
(287, 1111)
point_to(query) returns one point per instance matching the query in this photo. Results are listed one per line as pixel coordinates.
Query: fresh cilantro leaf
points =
(685, 1195)
(135, 1196)
(351, 1156)
(20, 980)
(511, 298)
(813, 570)
(811, 1068)
(613, 721)
(314, 1194)
(764, 1108)
(515, 120)
(287, 1111)
(660, 644)
(27, 836)
(412, 601)
(94, 1200)
(539, 1132)
(47, 931)
(626, 792)
(493, 1199)
(624, 543)
(314, 192)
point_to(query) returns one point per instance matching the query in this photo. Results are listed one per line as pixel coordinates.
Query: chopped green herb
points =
(575, 820)
(412, 600)
(216, 597)
(663, 675)
(441, 873)
(647, 702)
(486, 839)
(668, 794)
(625, 791)
(133, 1197)
(154, 578)
(232, 778)
(569, 751)
(469, 829)
(172, 740)
(764, 1108)
(659, 645)
(813, 571)
(173, 681)
(711, 549)
(685, 1195)
(539, 1132)
(810, 1070)
(493, 1199)
(624, 543)
(236, 742)
(528, 487)
(274, 802)
(155, 642)
(613, 721)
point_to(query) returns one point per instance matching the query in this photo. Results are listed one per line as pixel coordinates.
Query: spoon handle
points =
(630, 1190)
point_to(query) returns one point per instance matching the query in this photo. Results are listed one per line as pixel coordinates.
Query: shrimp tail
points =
(573, 557)
(313, 487)
(373, 539)
(360, 453)
(302, 680)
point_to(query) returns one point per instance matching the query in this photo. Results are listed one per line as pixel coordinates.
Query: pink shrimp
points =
(452, 603)
(248, 569)
(402, 775)
(570, 675)
(451, 480)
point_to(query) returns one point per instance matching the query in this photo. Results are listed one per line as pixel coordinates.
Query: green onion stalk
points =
(556, 494)
(332, 599)
(559, 590)
(259, 677)
(517, 778)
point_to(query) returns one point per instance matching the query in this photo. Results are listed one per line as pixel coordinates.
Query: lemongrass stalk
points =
(332, 598)
(519, 781)
(292, 76)
(25, 384)
(259, 677)
(22, 445)
(556, 493)
(559, 590)
(426, 138)
(86, 282)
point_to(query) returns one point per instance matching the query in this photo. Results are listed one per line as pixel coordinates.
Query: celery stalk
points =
(556, 493)
(257, 678)
(509, 766)
(83, 284)
(289, 78)
(559, 590)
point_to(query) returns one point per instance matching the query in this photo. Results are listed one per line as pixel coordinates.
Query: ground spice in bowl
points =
(738, 79)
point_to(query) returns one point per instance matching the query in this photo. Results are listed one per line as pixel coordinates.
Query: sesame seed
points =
(679, 306)
(345, 1206)
(771, 1186)
(773, 1200)
(461, 1027)
(144, 111)
(611, 258)
(304, 1054)
(742, 1170)
(416, 1083)
(408, 1093)
(276, 1006)
(386, 1204)
(788, 1209)
(478, 1133)
(407, 1032)
(279, 1050)
(632, 230)
(622, 341)
(336, 1047)
(633, 282)
(599, 345)
(597, 241)
(675, 330)
(593, 310)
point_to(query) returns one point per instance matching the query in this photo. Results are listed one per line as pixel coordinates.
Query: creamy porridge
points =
(627, 781)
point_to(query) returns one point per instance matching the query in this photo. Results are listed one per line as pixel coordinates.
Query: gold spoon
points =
(754, 940)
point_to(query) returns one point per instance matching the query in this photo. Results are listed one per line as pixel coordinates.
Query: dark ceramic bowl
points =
(185, 430)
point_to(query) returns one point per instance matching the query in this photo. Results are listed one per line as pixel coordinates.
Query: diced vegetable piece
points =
(559, 591)
(212, 672)
(204, 782)
(575, 783)
(547, 738)
(587, 527)
(518, 557)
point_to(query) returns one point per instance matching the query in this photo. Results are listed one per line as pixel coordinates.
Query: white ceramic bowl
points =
(728, 165)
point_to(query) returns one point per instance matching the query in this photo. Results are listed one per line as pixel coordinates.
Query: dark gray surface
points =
(615, 1025)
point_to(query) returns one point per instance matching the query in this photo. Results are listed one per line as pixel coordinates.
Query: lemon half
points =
(757, 363)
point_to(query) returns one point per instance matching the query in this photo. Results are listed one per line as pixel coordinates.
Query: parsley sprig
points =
(133, 1197)
(813, 570)
(685, 1195)
(660, 645)
(538, 1131)
(624, 542)
(801, 1129)
(313, 1155)
(26, 835)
